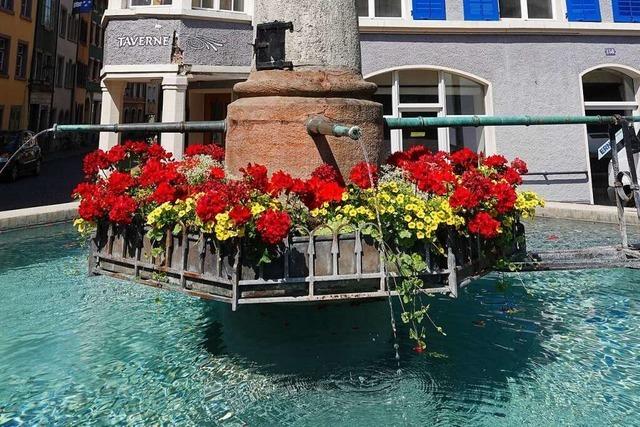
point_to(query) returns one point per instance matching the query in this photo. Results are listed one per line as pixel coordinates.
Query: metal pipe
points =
(179, 127)
(321, 126)
(459, 121)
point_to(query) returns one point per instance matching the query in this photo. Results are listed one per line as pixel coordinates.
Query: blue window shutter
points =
(626, 10)
(481, 10)
(583, 10)
(429, 9)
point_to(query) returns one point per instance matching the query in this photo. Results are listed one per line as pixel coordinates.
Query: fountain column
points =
(267, 123)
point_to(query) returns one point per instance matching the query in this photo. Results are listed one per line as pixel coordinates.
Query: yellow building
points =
(17, 21)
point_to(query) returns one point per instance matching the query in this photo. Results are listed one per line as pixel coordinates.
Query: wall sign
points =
(131, 41)
(195, 42)
(610, 51)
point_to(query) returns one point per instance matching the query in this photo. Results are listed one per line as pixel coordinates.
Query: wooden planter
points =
(318, 267)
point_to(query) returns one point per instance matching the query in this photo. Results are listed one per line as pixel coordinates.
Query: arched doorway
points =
(606, 91)
(430, 92)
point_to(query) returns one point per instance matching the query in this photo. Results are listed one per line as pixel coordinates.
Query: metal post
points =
(622, 222)
(631, 143)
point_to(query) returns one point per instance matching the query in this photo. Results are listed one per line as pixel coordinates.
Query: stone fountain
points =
(323, 79)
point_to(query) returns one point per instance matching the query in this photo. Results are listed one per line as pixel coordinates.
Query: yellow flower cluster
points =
(225, 227)
(257, 209)
(408, 211)
(527, 202)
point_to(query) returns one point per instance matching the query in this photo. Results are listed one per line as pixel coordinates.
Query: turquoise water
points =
(550, 349)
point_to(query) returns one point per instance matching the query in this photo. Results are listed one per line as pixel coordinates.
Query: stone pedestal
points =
(267, 123)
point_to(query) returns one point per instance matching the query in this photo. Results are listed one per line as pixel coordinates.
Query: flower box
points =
(324, 265)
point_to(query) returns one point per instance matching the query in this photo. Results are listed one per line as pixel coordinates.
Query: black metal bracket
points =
(269, 46)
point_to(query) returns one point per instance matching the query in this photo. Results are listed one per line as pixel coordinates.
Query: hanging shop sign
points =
(82, 6)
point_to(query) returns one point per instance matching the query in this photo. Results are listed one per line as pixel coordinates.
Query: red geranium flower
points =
(512, 176)
(505, 196)
(273, 226)
(90, 209)
(280, 182)
(464, 158)
(363, 174)
(256, 176)
(484, 225)
(240, 215)
(93, 162)
(496, 161)
(116, 154)
(164, 193)
(462, 197)
(119, 182)
(136, 147)
(217, 173)
(122, 209)
(328, 173)
(210, 204)
(520, 166)
(213, 150)
(155, 151)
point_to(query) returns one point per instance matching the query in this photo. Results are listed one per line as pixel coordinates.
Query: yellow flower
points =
(257, 209)
(408, 218)
(345, 196)
(412, 225)
(420, 225)
(391, 209)
(420, 235)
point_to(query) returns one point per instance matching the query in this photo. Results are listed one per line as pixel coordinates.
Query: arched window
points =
(606, 91)
(427, 92)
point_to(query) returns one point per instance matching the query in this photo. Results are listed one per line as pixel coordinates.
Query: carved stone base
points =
(271, 130)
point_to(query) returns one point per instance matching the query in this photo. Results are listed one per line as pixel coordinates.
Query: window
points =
(379, 8)
(81, 74)
(626, 10)
(22, 56)
(605, 92)
(60, 72)
(1, 116)
(72, 33)
(6, 5)
(526, 9)
(15, 116)
(25, 8)
(47, 69)
(63, 22)
(583, 10)
(69, 74)
(150, 2)
(5, 42)
(431, 93)
(231, 5)
(47, 14)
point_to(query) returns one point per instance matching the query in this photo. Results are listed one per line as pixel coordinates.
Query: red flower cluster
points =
(212, 150)
(211, 203)
(364, 175)
(273, 226)
(484, 225)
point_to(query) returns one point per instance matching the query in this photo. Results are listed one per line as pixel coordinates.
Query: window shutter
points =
(429, 9)
(583, 10)
(481, 10)
(626, 10)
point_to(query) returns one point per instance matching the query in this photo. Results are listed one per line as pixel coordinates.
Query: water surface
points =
(548, 349)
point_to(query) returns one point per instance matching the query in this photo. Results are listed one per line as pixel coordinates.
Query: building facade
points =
(428, 57)
(41, 82)
(17, 19)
